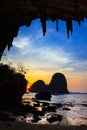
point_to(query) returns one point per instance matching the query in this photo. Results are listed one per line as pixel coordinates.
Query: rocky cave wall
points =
(16, 13)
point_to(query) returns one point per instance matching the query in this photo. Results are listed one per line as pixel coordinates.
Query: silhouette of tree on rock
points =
(12, 85)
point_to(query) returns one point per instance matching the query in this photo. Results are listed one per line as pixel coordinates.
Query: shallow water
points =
(75, 103)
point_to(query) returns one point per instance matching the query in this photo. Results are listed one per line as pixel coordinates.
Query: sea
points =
(73, 110)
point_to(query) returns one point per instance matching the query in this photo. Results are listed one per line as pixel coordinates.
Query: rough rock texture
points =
(16, 13)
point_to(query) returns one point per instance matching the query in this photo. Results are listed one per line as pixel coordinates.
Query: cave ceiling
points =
(16, 13)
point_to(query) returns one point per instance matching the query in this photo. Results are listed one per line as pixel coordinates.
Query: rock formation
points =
(12, 86)
(43, 96)
(39, 86)
(16, 13)
(58, 84)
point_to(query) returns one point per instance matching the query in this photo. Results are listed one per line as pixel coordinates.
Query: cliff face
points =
(58, 85)
(16, 13)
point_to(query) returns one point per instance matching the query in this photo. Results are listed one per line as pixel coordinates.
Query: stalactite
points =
(28, 23)
(10, 43)
(79, 22)
(82, 19)
(24, 12)
(7, 34)
(57, 25)
(69, 27)
(43, 22)
(9, 46)
(3, 45)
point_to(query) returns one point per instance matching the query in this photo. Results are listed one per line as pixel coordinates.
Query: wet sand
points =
(25, 126)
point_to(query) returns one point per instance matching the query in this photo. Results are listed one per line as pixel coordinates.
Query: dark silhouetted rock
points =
(59, 105)
(54, 118)
(39, 86)
(36, 118)
(5, 116)
(49, 108)
(12, 85)
(58, 84)
(37, 104)
(45, 104)
(43, 96)
(85, 105)
(67, 109)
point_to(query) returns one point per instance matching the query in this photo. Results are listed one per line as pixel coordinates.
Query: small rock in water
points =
(85, 105)
(49, 108)
(35, 118)
(37, 104)
(59, 105)
(54, 118)
(67, 109)
(43, 96)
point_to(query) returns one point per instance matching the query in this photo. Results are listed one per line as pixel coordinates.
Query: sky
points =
(43, 56)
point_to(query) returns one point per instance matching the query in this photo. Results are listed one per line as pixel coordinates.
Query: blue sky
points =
(43, 56)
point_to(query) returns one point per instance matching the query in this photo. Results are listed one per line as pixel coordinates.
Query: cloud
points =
(21, 42)
(45, 58)
(52, 52)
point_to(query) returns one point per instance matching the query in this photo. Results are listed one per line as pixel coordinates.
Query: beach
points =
(70, 109)
(61, 113)
(25, 126)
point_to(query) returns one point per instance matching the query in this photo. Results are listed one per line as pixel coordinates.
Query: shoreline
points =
(8, 125)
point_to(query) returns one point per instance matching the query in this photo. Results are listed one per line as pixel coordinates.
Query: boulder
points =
(43, 96)
(54, 118)
(49, 108)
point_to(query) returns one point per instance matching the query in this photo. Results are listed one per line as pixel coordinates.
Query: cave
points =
(16, 13)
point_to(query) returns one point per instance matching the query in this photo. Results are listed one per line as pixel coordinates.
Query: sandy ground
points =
(26, 126)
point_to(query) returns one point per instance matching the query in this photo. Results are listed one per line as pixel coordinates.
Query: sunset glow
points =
(27, 87)
(44, 56)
